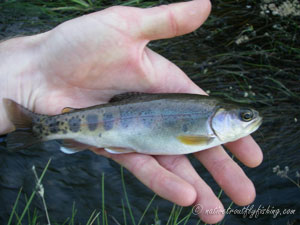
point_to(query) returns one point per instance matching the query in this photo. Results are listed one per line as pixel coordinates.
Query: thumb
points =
(172, 20)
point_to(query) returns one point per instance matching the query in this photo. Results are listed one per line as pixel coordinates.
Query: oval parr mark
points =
(169, 119)
(185, 128)
(74, 124)
(92, 121)
(127, 117)
(108, 121)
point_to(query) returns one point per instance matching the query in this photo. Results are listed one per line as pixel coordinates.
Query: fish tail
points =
(22, 119)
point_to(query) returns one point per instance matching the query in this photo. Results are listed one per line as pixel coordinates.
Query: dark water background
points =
(265, 69)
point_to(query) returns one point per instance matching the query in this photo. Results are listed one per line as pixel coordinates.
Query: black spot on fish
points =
(100, 135)
(147, 117)
(74, 124)
(127, 117)
(108, 121)
(92, 121)
(53, 125)
(38, 129)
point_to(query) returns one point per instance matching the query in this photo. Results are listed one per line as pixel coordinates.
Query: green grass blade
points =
(91, 217)
(74, 212)
(115, 220)
(171, 214)
(156, 218)
(81, 3)
(33, 193)
(67, 8)
(103, 203)
(14, 207)
(220, 193)
(17, 217)
(126, 197)
(147, 208)
(186, 218)
(124, 213)
(106, 221)
(199, 221)
(34, 217)
(65, 222)
(90, 2)
(131, 2)
(177, 213)
(28, 213)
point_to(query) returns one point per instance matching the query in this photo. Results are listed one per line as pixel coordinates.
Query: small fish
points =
(155, 124)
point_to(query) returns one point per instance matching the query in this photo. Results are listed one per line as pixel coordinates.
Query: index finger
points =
(246, 150)
(163, 182)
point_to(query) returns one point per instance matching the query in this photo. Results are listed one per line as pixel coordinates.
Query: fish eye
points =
(246, 115)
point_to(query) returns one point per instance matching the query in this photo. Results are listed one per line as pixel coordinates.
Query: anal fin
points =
(70, 146)
(118, 150)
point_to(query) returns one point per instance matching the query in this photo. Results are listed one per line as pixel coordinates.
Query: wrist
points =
(19, 73)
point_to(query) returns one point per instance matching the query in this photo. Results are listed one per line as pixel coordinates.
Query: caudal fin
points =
(22, 119)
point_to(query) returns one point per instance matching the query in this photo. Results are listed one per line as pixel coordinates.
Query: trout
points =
(155, 124)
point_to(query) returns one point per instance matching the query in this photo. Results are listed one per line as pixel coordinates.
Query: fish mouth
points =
(256, 124)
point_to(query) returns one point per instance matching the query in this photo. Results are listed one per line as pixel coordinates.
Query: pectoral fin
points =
(195, 140)
(117, 150)
(67, 110)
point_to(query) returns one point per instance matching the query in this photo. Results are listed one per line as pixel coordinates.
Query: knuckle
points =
(139, 164)
(172, 22)
(221, 169)
(174, 163)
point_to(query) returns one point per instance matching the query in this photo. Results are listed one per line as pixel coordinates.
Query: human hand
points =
(87, 60)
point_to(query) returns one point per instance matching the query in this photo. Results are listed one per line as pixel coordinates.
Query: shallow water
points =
(76, 179)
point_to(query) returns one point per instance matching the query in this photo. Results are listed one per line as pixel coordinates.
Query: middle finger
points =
(228, 174)
(206, 199)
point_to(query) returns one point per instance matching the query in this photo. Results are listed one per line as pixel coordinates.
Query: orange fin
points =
(118, 150)
(67, 110)
(195, 140)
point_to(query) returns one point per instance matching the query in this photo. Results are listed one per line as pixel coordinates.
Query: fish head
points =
(231, 122)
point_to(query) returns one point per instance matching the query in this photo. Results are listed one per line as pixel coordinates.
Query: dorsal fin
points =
(127, 95)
